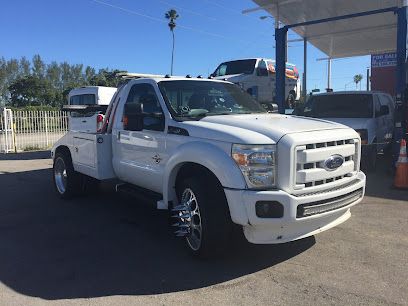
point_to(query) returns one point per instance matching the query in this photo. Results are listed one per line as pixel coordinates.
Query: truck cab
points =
(215, 158)
(257, 76)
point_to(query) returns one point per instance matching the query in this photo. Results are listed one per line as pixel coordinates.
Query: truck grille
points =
(310, 158)
(310, 209)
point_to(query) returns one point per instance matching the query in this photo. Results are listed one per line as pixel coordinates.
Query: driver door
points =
(141, 154)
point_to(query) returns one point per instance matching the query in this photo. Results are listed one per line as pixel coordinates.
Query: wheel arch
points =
(62, 149)
(188, 160)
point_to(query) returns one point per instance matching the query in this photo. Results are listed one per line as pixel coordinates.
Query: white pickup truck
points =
(216, 157)
(257, 76)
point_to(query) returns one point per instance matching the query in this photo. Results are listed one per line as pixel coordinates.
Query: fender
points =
(216, 160)
(65, 141)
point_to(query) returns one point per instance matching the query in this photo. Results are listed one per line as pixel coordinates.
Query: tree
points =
(89, 73)
(357, 79)
(25, 66)
(38, 66)
(172, 15)
(105, 77)
(30, 90)
(31, 83)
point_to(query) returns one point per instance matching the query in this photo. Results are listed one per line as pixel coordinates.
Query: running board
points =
(141, 193)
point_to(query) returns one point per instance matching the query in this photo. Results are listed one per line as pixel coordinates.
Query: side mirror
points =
(270, 107)
(274, 108)
(133, 117)
(384, 110)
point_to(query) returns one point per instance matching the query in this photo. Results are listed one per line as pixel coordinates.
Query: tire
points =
(67, 181)
(210, 221)
(369, 160)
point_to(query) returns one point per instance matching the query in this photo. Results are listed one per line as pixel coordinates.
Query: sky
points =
(133, 35)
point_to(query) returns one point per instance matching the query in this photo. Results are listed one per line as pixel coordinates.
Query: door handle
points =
(119, 135)
(83, 121)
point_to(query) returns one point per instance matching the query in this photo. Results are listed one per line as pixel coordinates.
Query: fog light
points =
(269, 209)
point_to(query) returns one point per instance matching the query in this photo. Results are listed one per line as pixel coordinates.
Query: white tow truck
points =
(216, 157)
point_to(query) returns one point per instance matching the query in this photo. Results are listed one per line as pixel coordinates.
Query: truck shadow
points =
(105, 245)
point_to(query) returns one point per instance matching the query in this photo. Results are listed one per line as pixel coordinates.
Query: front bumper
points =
(291, 226)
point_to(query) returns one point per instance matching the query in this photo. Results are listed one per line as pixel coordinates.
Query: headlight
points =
(257, 163)
(363, 135)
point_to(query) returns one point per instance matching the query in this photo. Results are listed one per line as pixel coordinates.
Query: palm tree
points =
(357, 79)
(172, 16)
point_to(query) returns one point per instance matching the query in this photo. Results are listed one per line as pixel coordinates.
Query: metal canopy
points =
(360, 35)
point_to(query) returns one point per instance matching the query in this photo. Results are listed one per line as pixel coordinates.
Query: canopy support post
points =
(280, 37)
(304, 90)
(400, 130)
(328, 75)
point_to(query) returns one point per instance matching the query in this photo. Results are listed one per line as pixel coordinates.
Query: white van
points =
(370, 113)
(88, 95)
(257, 76)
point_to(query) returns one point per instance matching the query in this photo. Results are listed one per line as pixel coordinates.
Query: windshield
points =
(339, 106)
(236, 67)
(196, 99)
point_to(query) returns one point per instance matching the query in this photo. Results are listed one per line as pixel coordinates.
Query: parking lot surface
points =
(108, 249)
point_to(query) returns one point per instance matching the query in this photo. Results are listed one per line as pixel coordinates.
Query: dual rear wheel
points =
(67, 181)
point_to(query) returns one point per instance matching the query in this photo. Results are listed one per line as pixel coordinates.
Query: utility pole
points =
(368, 79)
(328, 59)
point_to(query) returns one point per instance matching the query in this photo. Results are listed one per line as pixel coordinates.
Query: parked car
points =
(213, 156)
(88, 95)
(371, 114)
(257, 76)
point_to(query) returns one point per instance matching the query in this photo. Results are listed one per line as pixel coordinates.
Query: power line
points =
(188, 10)
(209, 17)
(163, 21)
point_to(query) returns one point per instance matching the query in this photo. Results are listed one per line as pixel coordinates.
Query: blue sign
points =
(384, 60)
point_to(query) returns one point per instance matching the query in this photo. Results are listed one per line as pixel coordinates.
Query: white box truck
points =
(215, 157)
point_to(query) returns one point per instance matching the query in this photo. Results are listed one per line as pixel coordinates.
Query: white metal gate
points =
(30, 130)
(6, 131)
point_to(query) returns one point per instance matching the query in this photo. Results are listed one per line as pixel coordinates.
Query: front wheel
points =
(369, 159)
(202, 217)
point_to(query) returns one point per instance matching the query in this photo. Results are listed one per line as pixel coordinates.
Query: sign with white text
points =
(384, 60)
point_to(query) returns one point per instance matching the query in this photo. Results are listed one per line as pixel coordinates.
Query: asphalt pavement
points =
(107, 249)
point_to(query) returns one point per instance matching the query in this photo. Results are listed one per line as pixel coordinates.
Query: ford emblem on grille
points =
(333, 162)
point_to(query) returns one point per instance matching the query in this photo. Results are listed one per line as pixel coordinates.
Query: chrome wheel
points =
(60, 175)
(189, 219)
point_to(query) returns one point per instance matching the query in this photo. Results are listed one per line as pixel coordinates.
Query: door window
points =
(153, 118)
(377, 105)
(388, 101)
(262, 68)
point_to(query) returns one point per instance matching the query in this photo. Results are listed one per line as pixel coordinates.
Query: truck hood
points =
(354, 123)
(255, 128)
